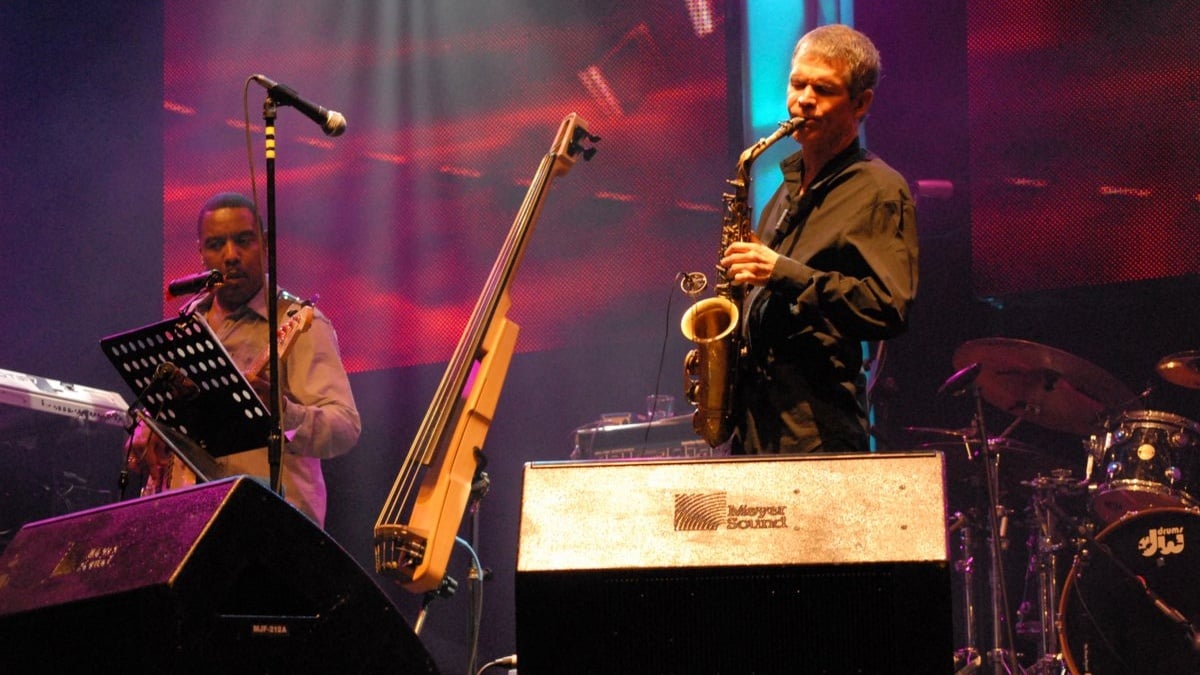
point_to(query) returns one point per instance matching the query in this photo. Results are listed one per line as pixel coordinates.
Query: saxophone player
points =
(834, 262)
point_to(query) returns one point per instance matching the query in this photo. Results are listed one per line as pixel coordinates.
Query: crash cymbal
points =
(1044, 385)
(1182, 368)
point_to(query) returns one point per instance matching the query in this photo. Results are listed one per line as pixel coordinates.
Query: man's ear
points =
(862, 104)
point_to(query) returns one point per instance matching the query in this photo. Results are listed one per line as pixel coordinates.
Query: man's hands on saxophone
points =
(749, 262)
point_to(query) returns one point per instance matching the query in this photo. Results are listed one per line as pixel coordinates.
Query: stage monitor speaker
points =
(832, 564)
(224, 577)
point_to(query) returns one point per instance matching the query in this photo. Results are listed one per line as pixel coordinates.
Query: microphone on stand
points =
(194, 283)
(692, 283)
(176, 380)
(332, 122)
(960, 381)
(166, 376)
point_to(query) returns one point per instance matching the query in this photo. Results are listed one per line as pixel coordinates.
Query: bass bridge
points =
(398, 550)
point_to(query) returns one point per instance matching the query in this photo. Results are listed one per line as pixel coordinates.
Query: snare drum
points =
(1107, 623)
(1152, 461)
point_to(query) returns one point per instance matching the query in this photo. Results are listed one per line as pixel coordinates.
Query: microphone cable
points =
(249, 144)
(662, 356)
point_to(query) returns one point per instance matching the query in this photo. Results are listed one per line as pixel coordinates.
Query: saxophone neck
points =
(751, 153)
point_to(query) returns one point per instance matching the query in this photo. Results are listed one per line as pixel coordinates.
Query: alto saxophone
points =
(710, 369)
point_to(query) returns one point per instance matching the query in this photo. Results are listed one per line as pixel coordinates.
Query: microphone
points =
(692, 282)
(176, 380)
(958, 382)
(165, 371)
(194, 283)
(331, 121)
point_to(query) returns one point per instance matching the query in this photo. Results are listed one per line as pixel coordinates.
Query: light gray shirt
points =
(320, 419)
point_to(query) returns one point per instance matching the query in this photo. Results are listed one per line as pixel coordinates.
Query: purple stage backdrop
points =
(450, 109)
(1085, 153)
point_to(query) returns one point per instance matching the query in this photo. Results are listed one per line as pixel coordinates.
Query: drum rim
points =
(1159, 416)
(1143, 485)
(1138, 485)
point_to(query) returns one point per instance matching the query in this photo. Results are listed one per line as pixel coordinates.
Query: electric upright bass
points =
(420, 519)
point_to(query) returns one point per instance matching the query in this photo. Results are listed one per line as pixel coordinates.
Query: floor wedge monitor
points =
(223, 577)
(797, 564)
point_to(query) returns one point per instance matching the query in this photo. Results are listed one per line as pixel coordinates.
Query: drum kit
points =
(1112, 585)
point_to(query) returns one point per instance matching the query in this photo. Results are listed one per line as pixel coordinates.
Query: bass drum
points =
(1108, 624)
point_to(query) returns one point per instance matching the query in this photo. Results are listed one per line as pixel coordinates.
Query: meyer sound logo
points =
(710, 510)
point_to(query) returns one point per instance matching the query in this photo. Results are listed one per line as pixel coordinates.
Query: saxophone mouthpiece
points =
(786, 128)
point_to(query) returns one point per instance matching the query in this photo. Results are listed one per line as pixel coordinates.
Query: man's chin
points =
(236, 293)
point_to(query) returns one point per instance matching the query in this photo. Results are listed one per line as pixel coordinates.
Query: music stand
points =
(211, 410)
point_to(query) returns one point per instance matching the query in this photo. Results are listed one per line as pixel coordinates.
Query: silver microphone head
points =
(693, 283)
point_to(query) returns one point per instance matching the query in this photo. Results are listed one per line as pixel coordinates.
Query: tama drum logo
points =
(711, 510)
(1161, 540)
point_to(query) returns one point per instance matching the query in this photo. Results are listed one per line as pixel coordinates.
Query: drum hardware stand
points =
(966, 659)
(1044, 562)
(1002, 656)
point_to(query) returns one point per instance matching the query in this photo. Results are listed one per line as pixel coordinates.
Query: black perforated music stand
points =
(223, 416)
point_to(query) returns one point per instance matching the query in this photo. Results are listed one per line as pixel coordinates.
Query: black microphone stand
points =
(1003, 656)
(275, 405)
(161, 373)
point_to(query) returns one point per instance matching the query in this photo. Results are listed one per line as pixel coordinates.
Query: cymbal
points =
(1018, 463)
(1044, 385)
(965, 432)
(968, 449)
(1182, 368)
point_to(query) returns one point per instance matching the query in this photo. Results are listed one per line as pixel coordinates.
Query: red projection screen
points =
(1085, 147)
(450, 108)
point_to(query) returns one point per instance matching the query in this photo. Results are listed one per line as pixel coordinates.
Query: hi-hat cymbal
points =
(1044, 385)
(965, 432)
(1017, 463)
(1182, 368)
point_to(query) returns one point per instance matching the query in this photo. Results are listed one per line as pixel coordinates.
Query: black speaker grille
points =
(835, 619)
